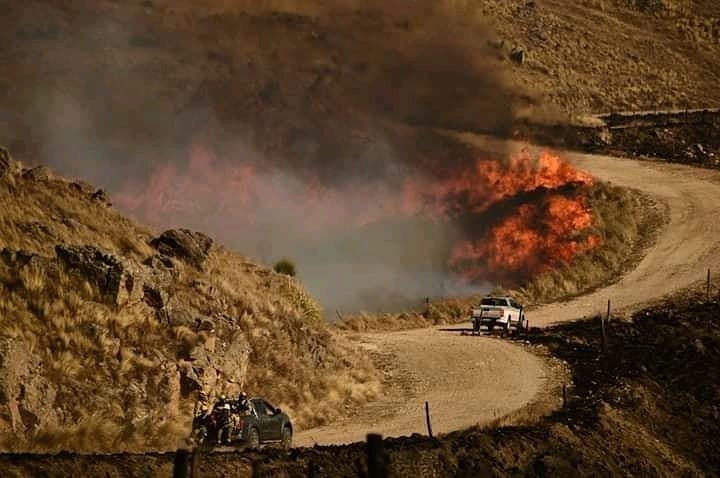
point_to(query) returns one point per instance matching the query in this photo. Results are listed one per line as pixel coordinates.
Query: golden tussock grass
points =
(103, 361)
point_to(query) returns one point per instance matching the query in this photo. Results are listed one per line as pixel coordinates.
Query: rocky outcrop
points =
(8, 166)
(223, 368)
(191, 247)
(113, 279)
(117, 281)
(38, 173)
(27, 398)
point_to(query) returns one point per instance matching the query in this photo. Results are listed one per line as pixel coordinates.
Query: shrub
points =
(285, 266)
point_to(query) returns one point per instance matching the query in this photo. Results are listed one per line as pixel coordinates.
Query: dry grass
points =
(37, 215)
(446, 310)
(111, 368)
(627, 223)
(625, 220)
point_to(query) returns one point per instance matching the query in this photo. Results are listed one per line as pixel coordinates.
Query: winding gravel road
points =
(474, 380)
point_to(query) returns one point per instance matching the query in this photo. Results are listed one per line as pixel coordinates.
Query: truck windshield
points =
(493, 302)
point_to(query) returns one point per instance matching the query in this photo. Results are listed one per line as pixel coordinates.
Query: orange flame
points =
(490, 181)
(535, 238)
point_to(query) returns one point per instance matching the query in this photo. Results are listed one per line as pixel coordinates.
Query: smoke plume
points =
(305, 133)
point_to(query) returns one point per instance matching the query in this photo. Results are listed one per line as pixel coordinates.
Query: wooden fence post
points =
(427, 419)
(195, 463)
(180, 466)
(376, 462)
(708, 286)
(602, 326)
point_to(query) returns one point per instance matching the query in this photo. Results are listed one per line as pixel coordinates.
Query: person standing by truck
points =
(222, 413)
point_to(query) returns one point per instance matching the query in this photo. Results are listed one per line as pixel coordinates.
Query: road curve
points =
(688, 244)
(470, 380)
(466, 380)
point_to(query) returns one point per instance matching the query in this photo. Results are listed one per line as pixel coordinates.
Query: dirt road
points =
(471, 380)
(686, 247)
(466, 380)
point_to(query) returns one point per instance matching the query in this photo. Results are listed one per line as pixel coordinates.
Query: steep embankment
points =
(107, 333)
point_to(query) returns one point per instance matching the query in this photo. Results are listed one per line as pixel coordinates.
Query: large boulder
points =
(117, 281)
(191, 247)
(114, 279)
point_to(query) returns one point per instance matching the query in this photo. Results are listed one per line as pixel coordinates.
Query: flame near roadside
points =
(522, 216)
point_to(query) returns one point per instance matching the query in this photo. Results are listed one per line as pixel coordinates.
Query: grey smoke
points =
(87, 123)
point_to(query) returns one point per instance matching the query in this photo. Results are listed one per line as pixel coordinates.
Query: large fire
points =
(538, 220)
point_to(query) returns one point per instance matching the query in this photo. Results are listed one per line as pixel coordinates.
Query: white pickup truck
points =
(501, 312)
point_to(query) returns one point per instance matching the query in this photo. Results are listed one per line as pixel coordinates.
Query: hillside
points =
(191, 114)
(308, 77)
(650, 411)
(331, 132)
(108, 332)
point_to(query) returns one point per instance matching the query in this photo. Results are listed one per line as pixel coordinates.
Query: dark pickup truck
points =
(261, 423)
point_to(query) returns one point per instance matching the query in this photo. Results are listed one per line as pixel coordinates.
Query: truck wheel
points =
(286, 441)
(253, 438)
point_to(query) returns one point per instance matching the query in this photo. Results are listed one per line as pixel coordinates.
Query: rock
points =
(204, 324)
(36, 229)
(101, 196)
(175, 317)
(38, 173)
(8, 166)
(189, 246)
(159, 261)
(113, 278)
(154, 296)
(117, 281)
(518, 55)
(226, 368)
(82, 187)
(28, 396)
(69, 222)
(19, 259)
